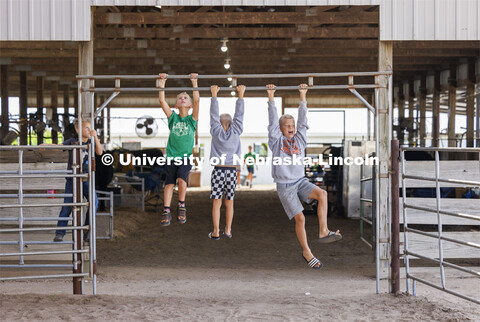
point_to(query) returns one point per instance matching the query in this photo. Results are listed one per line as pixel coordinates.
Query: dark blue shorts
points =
(174, 172)
(250, 169)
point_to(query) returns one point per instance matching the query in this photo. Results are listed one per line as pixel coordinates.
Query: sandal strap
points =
(314, 261)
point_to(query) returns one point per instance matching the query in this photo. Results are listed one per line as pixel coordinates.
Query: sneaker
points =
(58, 238)
(182, 214)
(165, 218)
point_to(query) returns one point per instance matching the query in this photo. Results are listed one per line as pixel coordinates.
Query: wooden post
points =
(436, 110)
(471, 104)
(40, 106)
(411, 109)
(23, 108)
(77, 234)
(452, 106)
(108, 125)
(401, 113)
(75, 102)
(66, 106)
(4, 93)
(422, 102)
(85, 67)
(395, 218)
(53, 106)
(385, 63)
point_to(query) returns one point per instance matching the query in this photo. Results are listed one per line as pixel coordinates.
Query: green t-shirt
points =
(248, 157)
(182, 135)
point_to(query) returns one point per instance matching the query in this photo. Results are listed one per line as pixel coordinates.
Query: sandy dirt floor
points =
(176, 273)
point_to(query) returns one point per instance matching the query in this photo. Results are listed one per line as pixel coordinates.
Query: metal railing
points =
(439, 235)
(130, 181)
(371, 201)
(78, 273)
(106, 196)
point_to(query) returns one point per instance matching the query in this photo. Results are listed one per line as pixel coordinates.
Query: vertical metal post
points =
(395, 218)
(77, 221)
(361, 196)
(377, 192)
(92, 195)
(405, 224)
(439, 218)
(20, 201)
(143, 194)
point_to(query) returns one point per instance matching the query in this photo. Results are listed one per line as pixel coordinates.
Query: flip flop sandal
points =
(330, 238)
(166, 218)
(313, 262)
(227, 235)
(213, 237)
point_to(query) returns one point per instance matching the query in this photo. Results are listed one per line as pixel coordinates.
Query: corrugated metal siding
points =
(45, 20)
(231, 2)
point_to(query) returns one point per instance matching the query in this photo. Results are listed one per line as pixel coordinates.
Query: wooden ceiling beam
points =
(189, 18)
(217, 33)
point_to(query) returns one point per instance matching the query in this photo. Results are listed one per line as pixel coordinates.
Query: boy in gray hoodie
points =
(292, 186)
(225, 141)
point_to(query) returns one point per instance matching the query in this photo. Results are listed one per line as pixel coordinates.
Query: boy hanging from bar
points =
(292, 186)
(225, 141)
(87, 134)
(180, 144)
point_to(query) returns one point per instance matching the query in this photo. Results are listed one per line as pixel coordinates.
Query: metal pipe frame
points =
(40, 176)
(443, 212)
(44, 205)
(44, 253)
(42, 277)
(453, 240)
(37, 219)
(460, 268)
(467, 182)
(36, 266)
(37, 195)
(36, 242)
(41, 147)
(376, 175)
(405, 224)
(16, 230)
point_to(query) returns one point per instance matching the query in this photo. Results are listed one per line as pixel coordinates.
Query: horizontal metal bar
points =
(366, 242)
(472, 183)
(366, 220)
(40, 176)
(37, 195)
(36, 265)
(225, 76)
(17, 230)
(443, 238)
(42, 276)
(432, 149)
(100, 109)
(80, 251)
(36, 242)
(366, 200)
(207, 89)
(443, 212)
(460, 268)
(36, 171)
(443, 289)
(366, 179)
(40, 147)
(38, 218)
(45, 205)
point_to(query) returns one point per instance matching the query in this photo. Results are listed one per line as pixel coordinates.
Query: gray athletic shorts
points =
(291, 195)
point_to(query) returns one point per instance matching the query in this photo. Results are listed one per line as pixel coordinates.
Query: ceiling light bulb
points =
(229, 79)
(232, 93)
(227, 65)
(224, 48)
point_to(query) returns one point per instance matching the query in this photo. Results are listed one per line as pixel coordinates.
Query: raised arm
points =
(237, 124)
(161, 96)
(214, 113)
(273, 126)
(196, 96)
(302, 123)
(98, 145)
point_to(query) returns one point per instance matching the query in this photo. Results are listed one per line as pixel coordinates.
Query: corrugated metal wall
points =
(399, 19)
(45, 20)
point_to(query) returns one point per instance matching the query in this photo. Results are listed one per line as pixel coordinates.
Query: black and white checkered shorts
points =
(224, 182)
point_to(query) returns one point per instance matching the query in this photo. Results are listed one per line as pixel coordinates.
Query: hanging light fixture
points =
(227, 63)
(224, 47)
(232, 93)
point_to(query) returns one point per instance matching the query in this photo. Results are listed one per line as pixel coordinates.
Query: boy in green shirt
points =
(180, 144)
(250, 160)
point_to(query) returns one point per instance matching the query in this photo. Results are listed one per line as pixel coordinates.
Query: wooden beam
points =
(436, 110)
(452, 106)
(23, 109)
(66, 105)
(401, 113)
(217, 33)
(242, 18)
(423, 108)
(385, 63)
(53, 107)
(471, 104)
(4, 94)
(411, 112)
(40, 106)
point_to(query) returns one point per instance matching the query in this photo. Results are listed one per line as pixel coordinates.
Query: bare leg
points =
(216, 205)
(182, 189)
(228, 216)
(302, 237)
(322, 210)
(167, 194)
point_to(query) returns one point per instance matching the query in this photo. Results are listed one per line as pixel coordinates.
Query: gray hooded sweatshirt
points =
(226, 142)
(287, 149)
